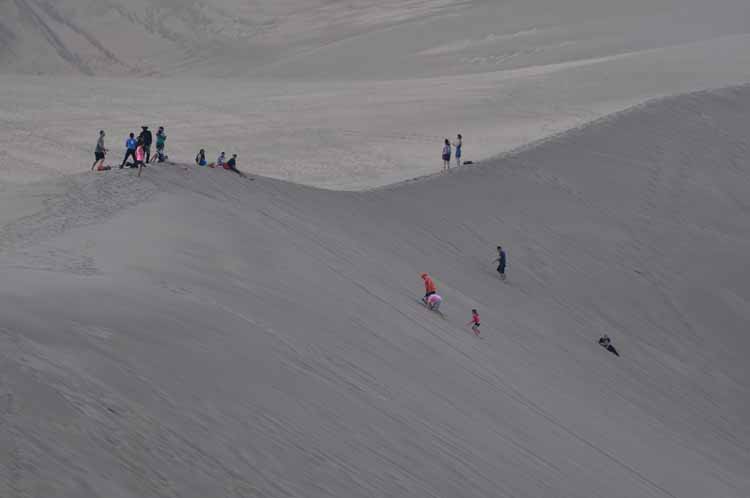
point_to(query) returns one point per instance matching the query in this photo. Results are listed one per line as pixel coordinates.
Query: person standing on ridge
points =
(501, 261)
(140, 155)
(100, 151)
(446, 155)
(146, 139)
(474, 322)
(161, 139)
(130, 145)
(458, 145)
(429, 286)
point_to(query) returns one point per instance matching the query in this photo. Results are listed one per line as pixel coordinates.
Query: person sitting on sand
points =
(231, 165)
(219, 161)
(606, 343)
(200, 158)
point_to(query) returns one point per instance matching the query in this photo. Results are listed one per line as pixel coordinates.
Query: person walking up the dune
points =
(161, 140)
(200, 158)
(429, 286)
(100, 151)
(501, 261)
(458, 145)
(130, 145)
(446, 155)
(146, 139)
(474, 322)
(140, 155)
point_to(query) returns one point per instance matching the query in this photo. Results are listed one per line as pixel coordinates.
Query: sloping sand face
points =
(343, 95)
(193, 334)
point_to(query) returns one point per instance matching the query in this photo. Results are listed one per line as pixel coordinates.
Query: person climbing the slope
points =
(429, 286)
(434, 302)
(446, 155)
(130, 145)
(458, 144)
(146, 139)
(100, 151)
(474, 322)
(200, 158)
(501, 261)
(161, 140)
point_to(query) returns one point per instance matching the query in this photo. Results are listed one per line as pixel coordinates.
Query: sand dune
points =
(191, 334)
(343, 95)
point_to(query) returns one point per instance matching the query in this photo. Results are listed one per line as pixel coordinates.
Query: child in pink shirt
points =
(474, 322)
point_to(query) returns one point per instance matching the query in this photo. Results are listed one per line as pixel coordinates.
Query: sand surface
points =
(343, 95)
(193, 334)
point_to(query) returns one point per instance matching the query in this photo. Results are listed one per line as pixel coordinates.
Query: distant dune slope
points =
(330, 38)
(194, 334)
(143, 37)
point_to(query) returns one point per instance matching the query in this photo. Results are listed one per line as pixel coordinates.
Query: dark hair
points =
(474, 310)
(459, 136)
(132, 135)
(446, 141)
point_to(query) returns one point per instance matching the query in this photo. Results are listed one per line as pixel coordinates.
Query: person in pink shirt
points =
(140, 155)
(474, 322)
(434, 301)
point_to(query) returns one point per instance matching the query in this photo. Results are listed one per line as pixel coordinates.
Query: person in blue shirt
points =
(130, 145)
(458, 145)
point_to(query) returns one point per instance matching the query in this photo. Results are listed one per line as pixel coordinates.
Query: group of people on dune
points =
(139, 149)
(458, 146)
(221, 162)
(433, 300)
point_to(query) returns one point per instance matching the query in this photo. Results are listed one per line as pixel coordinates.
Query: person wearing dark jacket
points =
(231, 165)
(146, 138)
(501, 260)
(606, 343)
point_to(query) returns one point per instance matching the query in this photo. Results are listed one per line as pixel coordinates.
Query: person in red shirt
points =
(429, 286)
(474, 322)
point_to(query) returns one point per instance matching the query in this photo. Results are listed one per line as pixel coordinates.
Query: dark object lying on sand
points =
(466, 163)
(606, 343)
